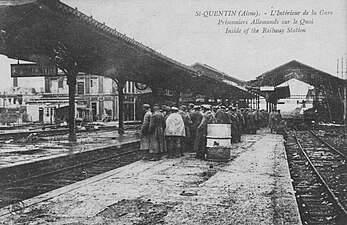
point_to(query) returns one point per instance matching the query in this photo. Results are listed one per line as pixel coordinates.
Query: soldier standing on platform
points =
(166, 111)
(163, 110)
(272, 121)
(200, 139)
(187, 125)
(257, 119)
(266, 116)
(191, 108)
(156, 130)
(244, 112)
(174, 132)
(214, 109)
(222, 116)
(196, 117)
(262, 118)
(145, 142)
(234, 125)
(251, 122)
(279, 116)
(241, 122)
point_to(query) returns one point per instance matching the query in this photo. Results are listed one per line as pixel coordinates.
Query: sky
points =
(192, 31)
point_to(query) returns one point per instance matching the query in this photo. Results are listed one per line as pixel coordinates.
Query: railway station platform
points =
(253, 188)
(35, 148)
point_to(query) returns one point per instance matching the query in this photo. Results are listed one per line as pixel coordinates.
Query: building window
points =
(131, 85)
(101, 84)
(61, 82)
(91, 83)
(80, 88)
(15, 82)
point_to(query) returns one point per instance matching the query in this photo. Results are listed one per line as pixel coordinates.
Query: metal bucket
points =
(218, 142)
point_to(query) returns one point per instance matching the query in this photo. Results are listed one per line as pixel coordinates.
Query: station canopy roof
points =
(49, 31)
(300, 71)
(46, 31)
(219, 84)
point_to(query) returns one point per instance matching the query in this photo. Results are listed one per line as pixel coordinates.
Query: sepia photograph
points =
(173, 112)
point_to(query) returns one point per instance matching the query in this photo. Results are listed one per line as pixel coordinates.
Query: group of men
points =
(275, 121)
(173, 131)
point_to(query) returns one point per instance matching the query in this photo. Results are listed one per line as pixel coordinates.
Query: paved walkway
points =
(253, 188)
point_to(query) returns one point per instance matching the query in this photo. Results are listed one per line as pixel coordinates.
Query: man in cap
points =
(191, 107)
(196, 117)
(251, 122)
(234, 120)
(145, 134)
(187, 125)
(222, 116)
(273, 121)
(200, 139)
(156, 129)
(214, 109)
(257, 119)
(174, 132)
(241, 122)
(166, 111)
(244, 112)
(265, 116)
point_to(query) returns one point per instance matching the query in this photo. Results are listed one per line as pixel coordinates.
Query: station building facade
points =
(96, 99)
(13, 104)
(310, 89)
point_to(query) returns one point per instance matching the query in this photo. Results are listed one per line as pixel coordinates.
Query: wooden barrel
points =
(218, 142)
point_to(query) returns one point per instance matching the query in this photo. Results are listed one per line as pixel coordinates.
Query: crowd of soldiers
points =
(173, 131)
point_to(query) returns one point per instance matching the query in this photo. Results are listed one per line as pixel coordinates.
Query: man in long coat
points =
(234, 121)
(257, 119)
(244, 112)
(187, 126)
(251, 122)
(200, 139)
(144, 144)
(272, 121)
(222, 116)
(196, 117)
(156, 130)
(241, 122)
(174, 132)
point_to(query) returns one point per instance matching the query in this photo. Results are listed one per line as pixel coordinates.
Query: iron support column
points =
(258, 102)
(71, 81)
(120, 86)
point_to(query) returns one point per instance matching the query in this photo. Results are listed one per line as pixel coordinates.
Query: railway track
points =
(14, 192)
(319, 178)
(58, 131)
(333, 136)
